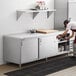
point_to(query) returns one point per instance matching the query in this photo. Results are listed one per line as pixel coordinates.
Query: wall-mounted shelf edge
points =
(35, 12)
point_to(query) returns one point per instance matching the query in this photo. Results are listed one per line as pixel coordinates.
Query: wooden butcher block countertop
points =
(46, 31)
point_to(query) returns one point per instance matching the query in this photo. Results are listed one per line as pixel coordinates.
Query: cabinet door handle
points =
(40, 40)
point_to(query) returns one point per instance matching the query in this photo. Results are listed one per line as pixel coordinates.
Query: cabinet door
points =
(47, 47)
(29, 50)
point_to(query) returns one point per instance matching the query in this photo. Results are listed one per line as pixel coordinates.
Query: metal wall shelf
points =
(34, 12)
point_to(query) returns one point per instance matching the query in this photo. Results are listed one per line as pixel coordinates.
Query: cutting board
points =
(45, 31)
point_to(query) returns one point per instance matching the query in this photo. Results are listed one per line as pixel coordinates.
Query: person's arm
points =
(62, 35)
(67, 38)
(71, 35)
(65, 32)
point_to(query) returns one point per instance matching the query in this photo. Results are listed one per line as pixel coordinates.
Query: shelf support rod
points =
(34, 14)
(49, 13)
(19, 13)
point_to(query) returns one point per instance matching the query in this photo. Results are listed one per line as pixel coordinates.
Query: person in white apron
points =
(70, 25)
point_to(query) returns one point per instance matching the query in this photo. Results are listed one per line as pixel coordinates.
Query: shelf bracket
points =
(34, 14)
(19, 13)
(49, 13)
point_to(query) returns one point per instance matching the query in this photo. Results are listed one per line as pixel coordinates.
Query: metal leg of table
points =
(19, 66)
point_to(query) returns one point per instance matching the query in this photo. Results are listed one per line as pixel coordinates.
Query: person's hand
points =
(59, 36)
(66, 38)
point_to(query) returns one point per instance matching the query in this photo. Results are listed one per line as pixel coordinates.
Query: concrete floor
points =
(66, 72)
